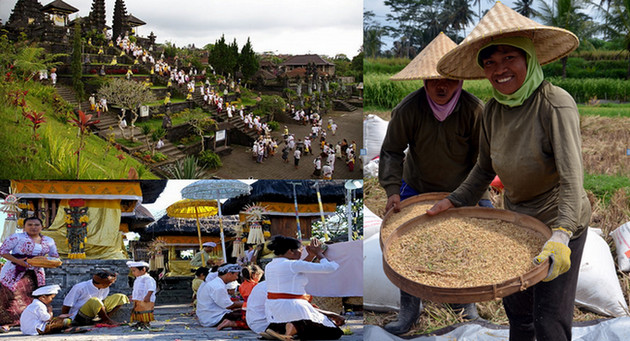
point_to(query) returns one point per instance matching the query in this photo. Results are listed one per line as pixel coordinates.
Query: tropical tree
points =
(373, 34)
(525, 8)
(457, 14)
(76, 66)
(618, 24)
(129, 95)
(248, 62)
(566, 14)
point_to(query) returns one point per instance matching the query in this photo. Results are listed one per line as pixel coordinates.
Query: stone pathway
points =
(240, 165)
(176, 324)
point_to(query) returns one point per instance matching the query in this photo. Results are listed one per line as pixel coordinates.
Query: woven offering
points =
(464, 252)
(44, 262)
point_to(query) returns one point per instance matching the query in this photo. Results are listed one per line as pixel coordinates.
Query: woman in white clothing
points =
(287, 308)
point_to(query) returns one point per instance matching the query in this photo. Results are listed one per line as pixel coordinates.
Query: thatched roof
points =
(59, 6)
(304, 59)
(133, 21)
(282, 191)
(167, 226)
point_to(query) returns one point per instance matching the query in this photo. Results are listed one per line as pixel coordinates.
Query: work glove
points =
(556, 248)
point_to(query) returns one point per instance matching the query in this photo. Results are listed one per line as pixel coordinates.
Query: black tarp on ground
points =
(282, 191)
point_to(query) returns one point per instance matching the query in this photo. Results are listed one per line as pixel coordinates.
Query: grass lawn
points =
(52, 155)
(177, 118)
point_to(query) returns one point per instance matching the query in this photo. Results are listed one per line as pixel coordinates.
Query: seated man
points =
(214, 306)
(89, 299)
(207, 250)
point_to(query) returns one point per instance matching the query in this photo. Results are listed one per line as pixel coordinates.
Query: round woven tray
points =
(470, 294)
(421, 199)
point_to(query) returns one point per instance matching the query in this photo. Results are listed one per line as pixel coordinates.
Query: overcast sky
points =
(325, 27)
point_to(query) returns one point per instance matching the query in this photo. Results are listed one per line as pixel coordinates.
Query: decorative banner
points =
(76, 225)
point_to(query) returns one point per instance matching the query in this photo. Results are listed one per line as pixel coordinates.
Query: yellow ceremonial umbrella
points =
(193, 208)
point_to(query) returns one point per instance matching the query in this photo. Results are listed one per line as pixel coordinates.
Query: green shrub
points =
(210, 159)
(273, 125)
(159, 157)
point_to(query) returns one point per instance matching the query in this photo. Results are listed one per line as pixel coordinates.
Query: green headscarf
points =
(534, 71)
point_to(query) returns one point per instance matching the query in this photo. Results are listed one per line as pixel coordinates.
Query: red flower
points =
(120, 156)
(76, 202)
(36, 118)
(84, 121)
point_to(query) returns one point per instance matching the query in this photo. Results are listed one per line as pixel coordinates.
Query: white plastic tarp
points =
(371, 223)
(374, 130)
(379, 293)
(346, 280)
(617, 329)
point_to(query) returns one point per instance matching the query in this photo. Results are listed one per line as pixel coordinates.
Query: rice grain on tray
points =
(406, 213)
(462, 253)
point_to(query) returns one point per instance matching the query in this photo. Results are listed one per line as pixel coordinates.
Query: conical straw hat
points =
(424, 65)
(551, 43)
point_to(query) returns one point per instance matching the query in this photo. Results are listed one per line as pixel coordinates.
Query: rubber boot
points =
(468, 311)
(410, 309)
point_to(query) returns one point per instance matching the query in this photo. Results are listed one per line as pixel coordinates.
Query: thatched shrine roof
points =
(332, 191)
(167, 226)
(59, 6)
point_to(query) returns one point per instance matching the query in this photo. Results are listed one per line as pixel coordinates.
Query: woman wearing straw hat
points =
(530, 138)
(440, 125)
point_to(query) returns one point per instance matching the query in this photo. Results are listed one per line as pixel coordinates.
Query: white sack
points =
(598, 287)
(379, 293)
(621, 237)
(374, 130)
(371, 169)
(371, 223)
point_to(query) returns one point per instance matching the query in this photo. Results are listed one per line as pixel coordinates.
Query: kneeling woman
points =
(287, 308)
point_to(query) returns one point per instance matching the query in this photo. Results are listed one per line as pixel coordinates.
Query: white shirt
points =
(212, 302)
(255, 315)
(81, 293)
(34, 317)
(288, 276)
(141, 287)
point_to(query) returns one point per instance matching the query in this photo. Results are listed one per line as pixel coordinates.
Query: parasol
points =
(216, 190)
(188, 208)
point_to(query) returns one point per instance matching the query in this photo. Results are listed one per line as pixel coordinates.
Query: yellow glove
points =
(558, 250)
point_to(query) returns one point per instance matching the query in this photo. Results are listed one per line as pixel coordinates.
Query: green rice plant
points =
(384, 65)
(604, 186)
(605, 110)
(584, 89)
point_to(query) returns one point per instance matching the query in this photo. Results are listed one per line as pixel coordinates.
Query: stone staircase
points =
(110, 120)
(68, 94)
(340, 105)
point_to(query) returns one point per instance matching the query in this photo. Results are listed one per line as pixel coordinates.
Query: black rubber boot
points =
(410, 309)
(469, 311)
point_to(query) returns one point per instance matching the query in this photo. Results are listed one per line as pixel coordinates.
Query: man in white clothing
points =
(214, 306)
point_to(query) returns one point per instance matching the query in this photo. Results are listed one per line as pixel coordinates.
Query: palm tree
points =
(618, 23)
(566, 15)
(457, 14)
(372, 40)
(525, 8)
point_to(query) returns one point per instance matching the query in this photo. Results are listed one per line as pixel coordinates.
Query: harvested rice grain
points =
(462, 253)
(406, 213)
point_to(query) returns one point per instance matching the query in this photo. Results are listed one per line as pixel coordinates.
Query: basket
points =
(421, 199)
(469, 294)
(44, 262)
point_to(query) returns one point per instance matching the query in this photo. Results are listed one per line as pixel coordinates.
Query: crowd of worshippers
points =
(278, 307)
(89, 302)
(226, 296)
